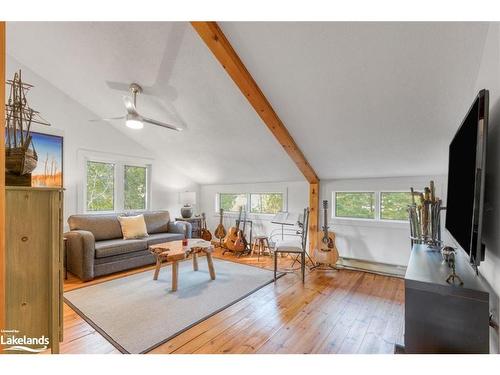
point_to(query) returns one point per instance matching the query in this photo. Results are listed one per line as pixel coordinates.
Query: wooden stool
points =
(261, 243)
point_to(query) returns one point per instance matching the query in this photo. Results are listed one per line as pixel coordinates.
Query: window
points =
(358, 205)
(393, 205)
(114, 186)
(255, 203)
(232, 202)
(135, 187)
(100, 186)
(266, 203)
(385, 205)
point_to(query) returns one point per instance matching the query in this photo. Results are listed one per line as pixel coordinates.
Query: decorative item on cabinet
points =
(425, 217)
(21, 157)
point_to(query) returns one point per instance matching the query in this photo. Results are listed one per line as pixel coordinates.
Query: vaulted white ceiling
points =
(224, 140)
(366, 99)
(360, 99)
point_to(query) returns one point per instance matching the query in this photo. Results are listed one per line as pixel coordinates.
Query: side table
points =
(196, 222)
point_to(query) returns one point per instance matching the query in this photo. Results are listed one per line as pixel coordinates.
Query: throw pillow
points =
(133, 227)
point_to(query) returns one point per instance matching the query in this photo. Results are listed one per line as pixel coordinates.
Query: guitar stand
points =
(323, 267)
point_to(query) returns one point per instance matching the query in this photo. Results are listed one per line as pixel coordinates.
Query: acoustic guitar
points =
(327, 252)
(232, 233)
(241, 242)
(220, 231)
(205, 233)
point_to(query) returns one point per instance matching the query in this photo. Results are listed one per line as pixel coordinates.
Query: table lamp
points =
(187, 199)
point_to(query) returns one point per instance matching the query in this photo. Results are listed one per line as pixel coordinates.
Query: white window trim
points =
(378, 207)
(119, 161)
(247, 206)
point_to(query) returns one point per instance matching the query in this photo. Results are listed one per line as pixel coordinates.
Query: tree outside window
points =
(116, 186)
(358, 205)
(266, 203)
(232, 202)
(100, 186)
(135, 187)
(255, 203)
(394, 205)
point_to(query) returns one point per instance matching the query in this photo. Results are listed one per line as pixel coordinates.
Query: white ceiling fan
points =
(133, 119)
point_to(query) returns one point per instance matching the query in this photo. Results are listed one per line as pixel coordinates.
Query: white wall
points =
(70, 120)
(375, 241)
(297, 193)
(489, 78)
(382, 242)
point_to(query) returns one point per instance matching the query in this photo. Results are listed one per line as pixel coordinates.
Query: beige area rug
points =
(137, 314)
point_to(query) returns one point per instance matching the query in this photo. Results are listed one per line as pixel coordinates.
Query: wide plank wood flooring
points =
(334, 312)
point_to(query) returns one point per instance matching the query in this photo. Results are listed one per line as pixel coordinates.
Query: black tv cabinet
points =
(439, 317)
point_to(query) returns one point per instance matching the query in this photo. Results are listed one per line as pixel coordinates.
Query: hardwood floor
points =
(334, 312)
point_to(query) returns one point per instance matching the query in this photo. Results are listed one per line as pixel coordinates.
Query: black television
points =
(466, 175)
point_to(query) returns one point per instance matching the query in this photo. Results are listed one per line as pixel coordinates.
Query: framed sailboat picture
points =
(49, 169)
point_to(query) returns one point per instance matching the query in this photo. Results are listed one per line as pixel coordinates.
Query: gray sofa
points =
(95, 244)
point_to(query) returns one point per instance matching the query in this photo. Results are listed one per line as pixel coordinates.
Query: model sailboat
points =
(20, 154)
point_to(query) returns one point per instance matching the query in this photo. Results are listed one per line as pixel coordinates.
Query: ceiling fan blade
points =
(159, 123)
(129, 105)
(121, 86)
(107, 119)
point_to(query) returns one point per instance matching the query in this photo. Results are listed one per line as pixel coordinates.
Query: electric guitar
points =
(327, 252)
(220, 231)
(232, 234)
(205, 233)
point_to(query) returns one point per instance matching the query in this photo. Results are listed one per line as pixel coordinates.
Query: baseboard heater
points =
(385, 269)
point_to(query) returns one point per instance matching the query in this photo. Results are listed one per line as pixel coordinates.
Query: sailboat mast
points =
(21, 112)
(9, 119)
(28, 128)
(14, 109)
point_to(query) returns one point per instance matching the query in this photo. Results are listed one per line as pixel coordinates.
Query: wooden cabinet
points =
(33, 263)
(444, 318)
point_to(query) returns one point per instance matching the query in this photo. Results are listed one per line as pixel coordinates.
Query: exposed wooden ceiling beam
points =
(217, 42)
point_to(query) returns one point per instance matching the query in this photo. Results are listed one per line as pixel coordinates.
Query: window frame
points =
(119, 180)
(334, 205)
(378, 207)
(247, 207)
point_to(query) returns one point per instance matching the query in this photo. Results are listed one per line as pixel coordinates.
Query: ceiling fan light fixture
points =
(134, 123)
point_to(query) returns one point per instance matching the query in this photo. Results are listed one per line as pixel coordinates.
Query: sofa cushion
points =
(133, 227)
(157, 221)
(155, 239)
(109, 248)
(103, 227)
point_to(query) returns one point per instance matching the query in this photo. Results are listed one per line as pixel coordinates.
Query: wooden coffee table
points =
(174, 252)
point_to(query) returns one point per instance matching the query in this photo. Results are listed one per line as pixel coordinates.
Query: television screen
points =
(466, 179)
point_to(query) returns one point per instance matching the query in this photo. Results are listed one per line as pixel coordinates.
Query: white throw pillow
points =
(133, 227)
